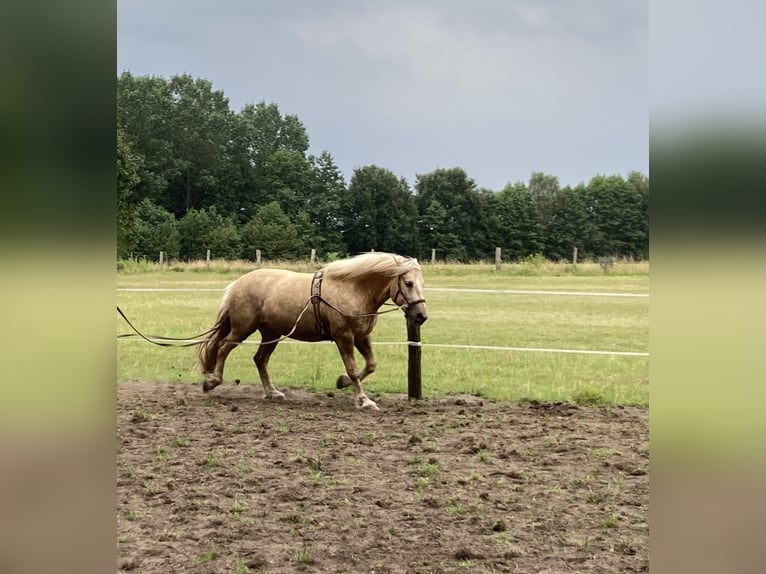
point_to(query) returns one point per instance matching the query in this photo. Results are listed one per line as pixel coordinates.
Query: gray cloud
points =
(500, 88)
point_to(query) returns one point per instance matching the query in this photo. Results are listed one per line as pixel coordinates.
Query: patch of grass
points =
(163, 452)
(423, 483)
(282, 426)
(303, 556)
(457, 508)
(321, 479)
(484, 455)
(181, 442)
(208, 556)
(238, 508)
(135, 514)
(241, 567)
(602, 452)
(589, 396)
(594, 498)
(430, 447)
(328, 439)
(152, 488)
(430, 469)
(609, 521)
(626, 546)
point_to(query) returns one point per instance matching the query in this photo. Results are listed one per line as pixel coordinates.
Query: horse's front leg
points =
(364, 346)
(346, 349)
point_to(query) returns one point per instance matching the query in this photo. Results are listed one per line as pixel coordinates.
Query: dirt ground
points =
(230, 482)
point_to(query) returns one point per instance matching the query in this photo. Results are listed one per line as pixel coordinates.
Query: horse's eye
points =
(408, 284)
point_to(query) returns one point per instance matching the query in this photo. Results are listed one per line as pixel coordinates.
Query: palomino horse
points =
(344, 295)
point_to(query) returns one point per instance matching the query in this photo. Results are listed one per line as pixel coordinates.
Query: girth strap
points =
(316, 298)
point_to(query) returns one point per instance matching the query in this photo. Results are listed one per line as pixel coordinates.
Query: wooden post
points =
(162, 258)
(258, 257)
(498, 258)
(313, 256)
(413, 360)
(207, 260)
(433, 256)
(574, 256)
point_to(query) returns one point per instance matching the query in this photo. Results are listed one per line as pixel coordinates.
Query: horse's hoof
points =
(209, 386)
(343, 382)
(275, 396)
(368, 404)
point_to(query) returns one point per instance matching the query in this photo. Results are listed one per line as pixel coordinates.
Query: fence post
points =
(162, 258)
(258, 257)
(433, 256)
(574, 256)
(313, 256)
(207, 260)
(413, 360)
(498, 258)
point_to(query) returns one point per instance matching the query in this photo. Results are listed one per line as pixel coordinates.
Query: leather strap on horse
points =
(316, 298)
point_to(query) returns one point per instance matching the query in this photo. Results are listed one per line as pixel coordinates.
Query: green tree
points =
(322, 206)
(127, 180)
(203, 229)
(274, 146)
(157, 230)
(202, 129)
(379, 213)
(568, 226)
(544, 189)
(452, 215)
(183, 130)
(640, 183)
(287, 178)
(434, 227)
(616, 210)
(144, 116)
(271, 231)
(519, 219)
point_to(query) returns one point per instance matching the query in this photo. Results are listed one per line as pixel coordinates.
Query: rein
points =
(163, 341)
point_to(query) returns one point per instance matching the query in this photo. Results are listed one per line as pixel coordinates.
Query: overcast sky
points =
(500, 88)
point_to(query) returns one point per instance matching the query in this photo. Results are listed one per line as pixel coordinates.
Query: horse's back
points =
(267, 283)
(270, 293)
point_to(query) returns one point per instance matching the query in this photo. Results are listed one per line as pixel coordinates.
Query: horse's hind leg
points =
(261, 360)
(346, 349)
(364, 346)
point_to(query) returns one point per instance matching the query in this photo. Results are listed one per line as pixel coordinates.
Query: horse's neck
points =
(371, 292)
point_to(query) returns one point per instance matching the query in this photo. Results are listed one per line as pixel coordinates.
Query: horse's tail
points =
(208, 349)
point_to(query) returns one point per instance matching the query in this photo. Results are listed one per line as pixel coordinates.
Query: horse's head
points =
(406, 290)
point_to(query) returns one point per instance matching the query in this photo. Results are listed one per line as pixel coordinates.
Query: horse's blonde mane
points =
(375, 262)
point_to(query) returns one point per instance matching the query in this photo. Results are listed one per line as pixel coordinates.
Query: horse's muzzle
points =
(417, 313)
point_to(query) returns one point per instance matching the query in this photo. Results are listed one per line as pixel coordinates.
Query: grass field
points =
(548, 321)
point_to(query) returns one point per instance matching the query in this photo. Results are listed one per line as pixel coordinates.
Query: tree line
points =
(193, 175)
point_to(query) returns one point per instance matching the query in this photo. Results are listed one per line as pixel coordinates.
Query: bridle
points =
(316, 298)
(407, 302)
